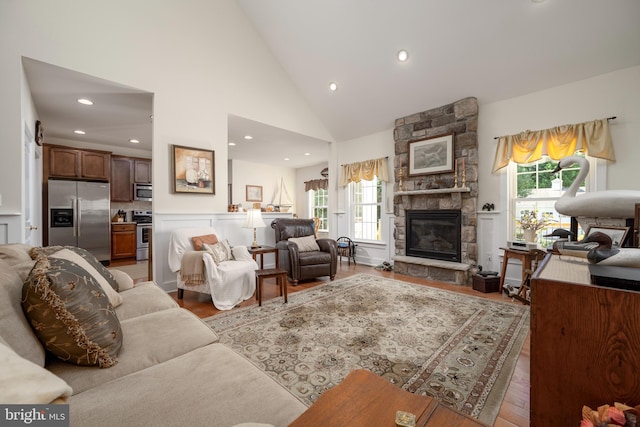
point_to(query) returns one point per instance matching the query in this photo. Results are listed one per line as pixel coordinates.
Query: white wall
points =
(612, 94)
(268, 177)
(202, 60)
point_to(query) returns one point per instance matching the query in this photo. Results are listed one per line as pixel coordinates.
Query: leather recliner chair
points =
(303, 265)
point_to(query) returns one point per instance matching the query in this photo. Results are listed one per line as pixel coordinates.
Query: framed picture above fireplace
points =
(431, 155)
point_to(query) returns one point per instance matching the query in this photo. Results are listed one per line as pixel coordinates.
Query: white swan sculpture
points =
(601, 204)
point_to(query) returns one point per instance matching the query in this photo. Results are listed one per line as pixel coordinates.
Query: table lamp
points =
(254, 220)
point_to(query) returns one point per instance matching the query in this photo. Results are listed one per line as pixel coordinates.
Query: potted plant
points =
(531, 224)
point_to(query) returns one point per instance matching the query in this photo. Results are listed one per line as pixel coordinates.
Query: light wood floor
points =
(515, 406)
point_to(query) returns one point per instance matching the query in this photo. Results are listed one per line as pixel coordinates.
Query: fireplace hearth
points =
(434, 234)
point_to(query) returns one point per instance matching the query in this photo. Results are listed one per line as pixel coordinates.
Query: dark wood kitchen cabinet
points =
(125, 171)
(68, 162)
(123, 241)
(121, 179)
(142, 171)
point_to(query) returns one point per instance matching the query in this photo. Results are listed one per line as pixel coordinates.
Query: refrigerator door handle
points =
(74, 206)
(79, 215)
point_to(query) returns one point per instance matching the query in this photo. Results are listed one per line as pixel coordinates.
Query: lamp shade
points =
(254, 219)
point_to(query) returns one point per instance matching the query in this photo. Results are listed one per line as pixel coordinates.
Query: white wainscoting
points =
(10, 228)
(227, 225)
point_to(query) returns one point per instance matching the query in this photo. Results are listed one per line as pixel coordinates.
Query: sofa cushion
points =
(143, 299)
(212, 385)
(24, 382)
(124, 280)
(15, 253)
(306, 243)
(147, 340)
(15, 327)
(85, 254)
(70, 313)
(314, 258)
(198, 241)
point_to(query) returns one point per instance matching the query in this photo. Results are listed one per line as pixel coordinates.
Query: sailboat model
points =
(281, 198)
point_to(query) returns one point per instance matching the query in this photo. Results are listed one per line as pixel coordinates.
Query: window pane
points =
(318, 206)
(366, 209)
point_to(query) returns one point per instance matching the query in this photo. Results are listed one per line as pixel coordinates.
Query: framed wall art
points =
(254, 193)
(193, 170)
(431, 155)
(617, 234)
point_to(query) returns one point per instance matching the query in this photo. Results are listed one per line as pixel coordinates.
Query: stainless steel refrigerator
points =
(79, 215)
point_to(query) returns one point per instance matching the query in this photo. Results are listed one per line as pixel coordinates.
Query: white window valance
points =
(592, 137)
(316, 184)
(355, 172)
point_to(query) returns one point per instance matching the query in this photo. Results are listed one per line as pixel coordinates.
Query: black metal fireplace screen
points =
(434, 234)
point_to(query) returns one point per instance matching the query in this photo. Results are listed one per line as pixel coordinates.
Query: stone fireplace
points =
(441, 248)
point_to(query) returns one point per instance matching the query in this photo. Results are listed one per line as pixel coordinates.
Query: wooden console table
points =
(365, 399)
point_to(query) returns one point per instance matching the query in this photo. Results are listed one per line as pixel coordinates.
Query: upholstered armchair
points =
(210, 269)
(300, 253)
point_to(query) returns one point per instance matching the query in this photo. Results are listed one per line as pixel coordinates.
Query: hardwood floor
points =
(514, 411)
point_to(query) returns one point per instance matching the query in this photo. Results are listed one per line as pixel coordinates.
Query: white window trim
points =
(351, 203)
(312, 206)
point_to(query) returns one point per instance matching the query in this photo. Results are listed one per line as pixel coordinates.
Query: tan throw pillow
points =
(114, 297)
(70, 313)
(220, 251)
(24, 382)
(306, 243)
(198, 241)
(88, 257)
(15, 253)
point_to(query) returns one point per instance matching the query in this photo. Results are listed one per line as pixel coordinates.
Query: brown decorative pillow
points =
(88, 257)
(209, 239)
(70, 313)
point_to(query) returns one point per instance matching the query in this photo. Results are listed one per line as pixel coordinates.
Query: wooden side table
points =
(526, 257)
(281, 280)
(261, 250)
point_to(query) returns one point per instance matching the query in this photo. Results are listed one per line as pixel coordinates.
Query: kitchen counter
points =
(123, 223)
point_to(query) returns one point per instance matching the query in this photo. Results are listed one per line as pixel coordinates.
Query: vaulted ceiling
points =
(490, 49)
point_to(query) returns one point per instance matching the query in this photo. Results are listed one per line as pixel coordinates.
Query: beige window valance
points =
(355, 172)
(316, 184)
(557, 142)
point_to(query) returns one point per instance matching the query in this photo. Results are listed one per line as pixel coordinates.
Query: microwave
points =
(142, 192)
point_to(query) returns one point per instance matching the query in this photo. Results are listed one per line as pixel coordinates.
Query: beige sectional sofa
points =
(170, 369)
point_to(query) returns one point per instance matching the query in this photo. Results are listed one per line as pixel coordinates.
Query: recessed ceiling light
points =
(333, 86)
(134, 141)
(232, 144)
(307, 154)
(85, 101)
(79, 132)
(248, 137)
(403, 55)
(286, 158)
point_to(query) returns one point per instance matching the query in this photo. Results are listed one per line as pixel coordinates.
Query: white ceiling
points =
(490, 49)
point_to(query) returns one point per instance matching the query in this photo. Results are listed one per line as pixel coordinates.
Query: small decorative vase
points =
(530, 235)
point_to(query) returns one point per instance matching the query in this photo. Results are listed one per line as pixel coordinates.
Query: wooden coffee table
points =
(364, 399)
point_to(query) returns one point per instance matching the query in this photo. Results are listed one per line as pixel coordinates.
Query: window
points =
(366, 208)
(319, 207)
(534, 187)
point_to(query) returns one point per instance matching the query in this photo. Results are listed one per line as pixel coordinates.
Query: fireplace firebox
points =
(434, 234)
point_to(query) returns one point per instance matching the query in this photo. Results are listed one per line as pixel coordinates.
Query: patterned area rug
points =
(457, 348)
